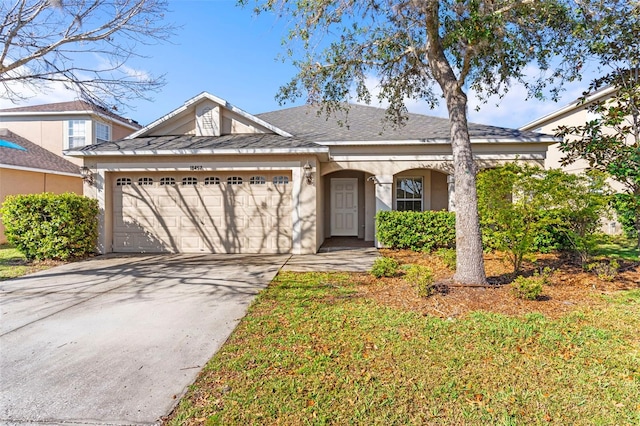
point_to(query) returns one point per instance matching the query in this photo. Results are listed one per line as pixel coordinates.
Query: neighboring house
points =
(574, 114)
(65, 125)
(209, 177)
(26, 168)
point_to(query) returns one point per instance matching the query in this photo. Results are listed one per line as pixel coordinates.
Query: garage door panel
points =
(220, 218)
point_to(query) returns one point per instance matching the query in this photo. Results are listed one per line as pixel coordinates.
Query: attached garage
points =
(197, 212)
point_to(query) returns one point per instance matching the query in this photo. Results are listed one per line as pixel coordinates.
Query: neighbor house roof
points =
(70, 107)
(258, 143)
(576, 104)
(22, 154)
(366, 123)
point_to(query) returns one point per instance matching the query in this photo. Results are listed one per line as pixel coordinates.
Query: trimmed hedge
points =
(418, 231)
(50, 226)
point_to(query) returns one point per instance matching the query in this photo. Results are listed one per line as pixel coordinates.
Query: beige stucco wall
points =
(305, 220)
(14, 182)
(45, 132)
(49, 131)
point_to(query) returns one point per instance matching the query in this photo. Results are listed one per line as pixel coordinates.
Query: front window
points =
(409, 194)
(77, 135)
(103, 132)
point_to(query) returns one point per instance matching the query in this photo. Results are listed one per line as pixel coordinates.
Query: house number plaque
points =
(195, 168)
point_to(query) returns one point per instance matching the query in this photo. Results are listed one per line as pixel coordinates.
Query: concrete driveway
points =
(116, 340)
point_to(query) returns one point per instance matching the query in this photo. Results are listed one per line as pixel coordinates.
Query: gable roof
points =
(70, 107)
(205, 95)
(32, 157)
(366, 123)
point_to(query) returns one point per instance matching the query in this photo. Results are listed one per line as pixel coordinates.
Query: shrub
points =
(421, 278)
(605, 269)
(384, 267)
(448, 256)
(418, 231)
(528, 288)
(525, 209)
(49, 226)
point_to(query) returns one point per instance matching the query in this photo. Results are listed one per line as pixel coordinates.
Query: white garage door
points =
(202, 213)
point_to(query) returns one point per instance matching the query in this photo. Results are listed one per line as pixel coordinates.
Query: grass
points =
(310, 351)
(12, 263)
(618, 247)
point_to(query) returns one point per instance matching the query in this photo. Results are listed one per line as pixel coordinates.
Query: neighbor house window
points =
(409, 194)
(103, 132)
(77, 135)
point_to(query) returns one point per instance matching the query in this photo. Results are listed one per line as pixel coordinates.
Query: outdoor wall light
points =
(87, 175)
(308, 172)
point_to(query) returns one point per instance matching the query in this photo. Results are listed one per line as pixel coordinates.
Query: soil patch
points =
(569, 288)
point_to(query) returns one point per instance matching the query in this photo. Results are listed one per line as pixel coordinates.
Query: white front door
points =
(344, 207)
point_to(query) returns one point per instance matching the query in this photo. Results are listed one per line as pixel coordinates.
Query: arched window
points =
(212, 180)
(234, 180)
(257, 180)
(167, 181)
(280, 180)
(190, 180)
(145, 181)
(123, 181)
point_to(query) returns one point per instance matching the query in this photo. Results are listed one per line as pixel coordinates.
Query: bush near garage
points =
(51, 226)
(419, 231)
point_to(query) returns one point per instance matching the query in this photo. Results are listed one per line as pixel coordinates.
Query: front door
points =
(344, 207)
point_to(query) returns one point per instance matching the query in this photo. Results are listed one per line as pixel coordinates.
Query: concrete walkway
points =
(117, 340)
(338, 259)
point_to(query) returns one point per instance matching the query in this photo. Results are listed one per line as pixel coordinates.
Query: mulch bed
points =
(570, 287)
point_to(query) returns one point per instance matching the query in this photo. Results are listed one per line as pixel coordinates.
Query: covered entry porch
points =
(351, 198)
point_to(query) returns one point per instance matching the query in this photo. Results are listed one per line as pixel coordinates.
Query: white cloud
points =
(51, 93)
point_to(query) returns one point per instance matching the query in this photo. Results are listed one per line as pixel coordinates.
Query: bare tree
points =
(83, 44)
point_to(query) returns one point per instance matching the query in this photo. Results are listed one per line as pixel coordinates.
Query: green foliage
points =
(605, 269)
(421, 277)
(418, 231)
(525, 208)
(448, 256)
(610, 142)
(627, 208)
(384, 267)
(49, 226)
(528, 288)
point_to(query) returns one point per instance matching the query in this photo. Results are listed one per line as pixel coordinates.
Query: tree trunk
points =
(470, 261)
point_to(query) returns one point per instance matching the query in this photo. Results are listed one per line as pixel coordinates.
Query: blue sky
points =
(231, 53)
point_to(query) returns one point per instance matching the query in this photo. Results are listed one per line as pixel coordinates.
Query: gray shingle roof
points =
(33, 157)
(190, 142)
(366, 123)
(76, 105)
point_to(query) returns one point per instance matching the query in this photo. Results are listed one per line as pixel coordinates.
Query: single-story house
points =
(209, 177)
(27, 168)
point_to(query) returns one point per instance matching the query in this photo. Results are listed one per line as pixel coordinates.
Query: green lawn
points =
(618, 246)
(12, 263)
(311, 351)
